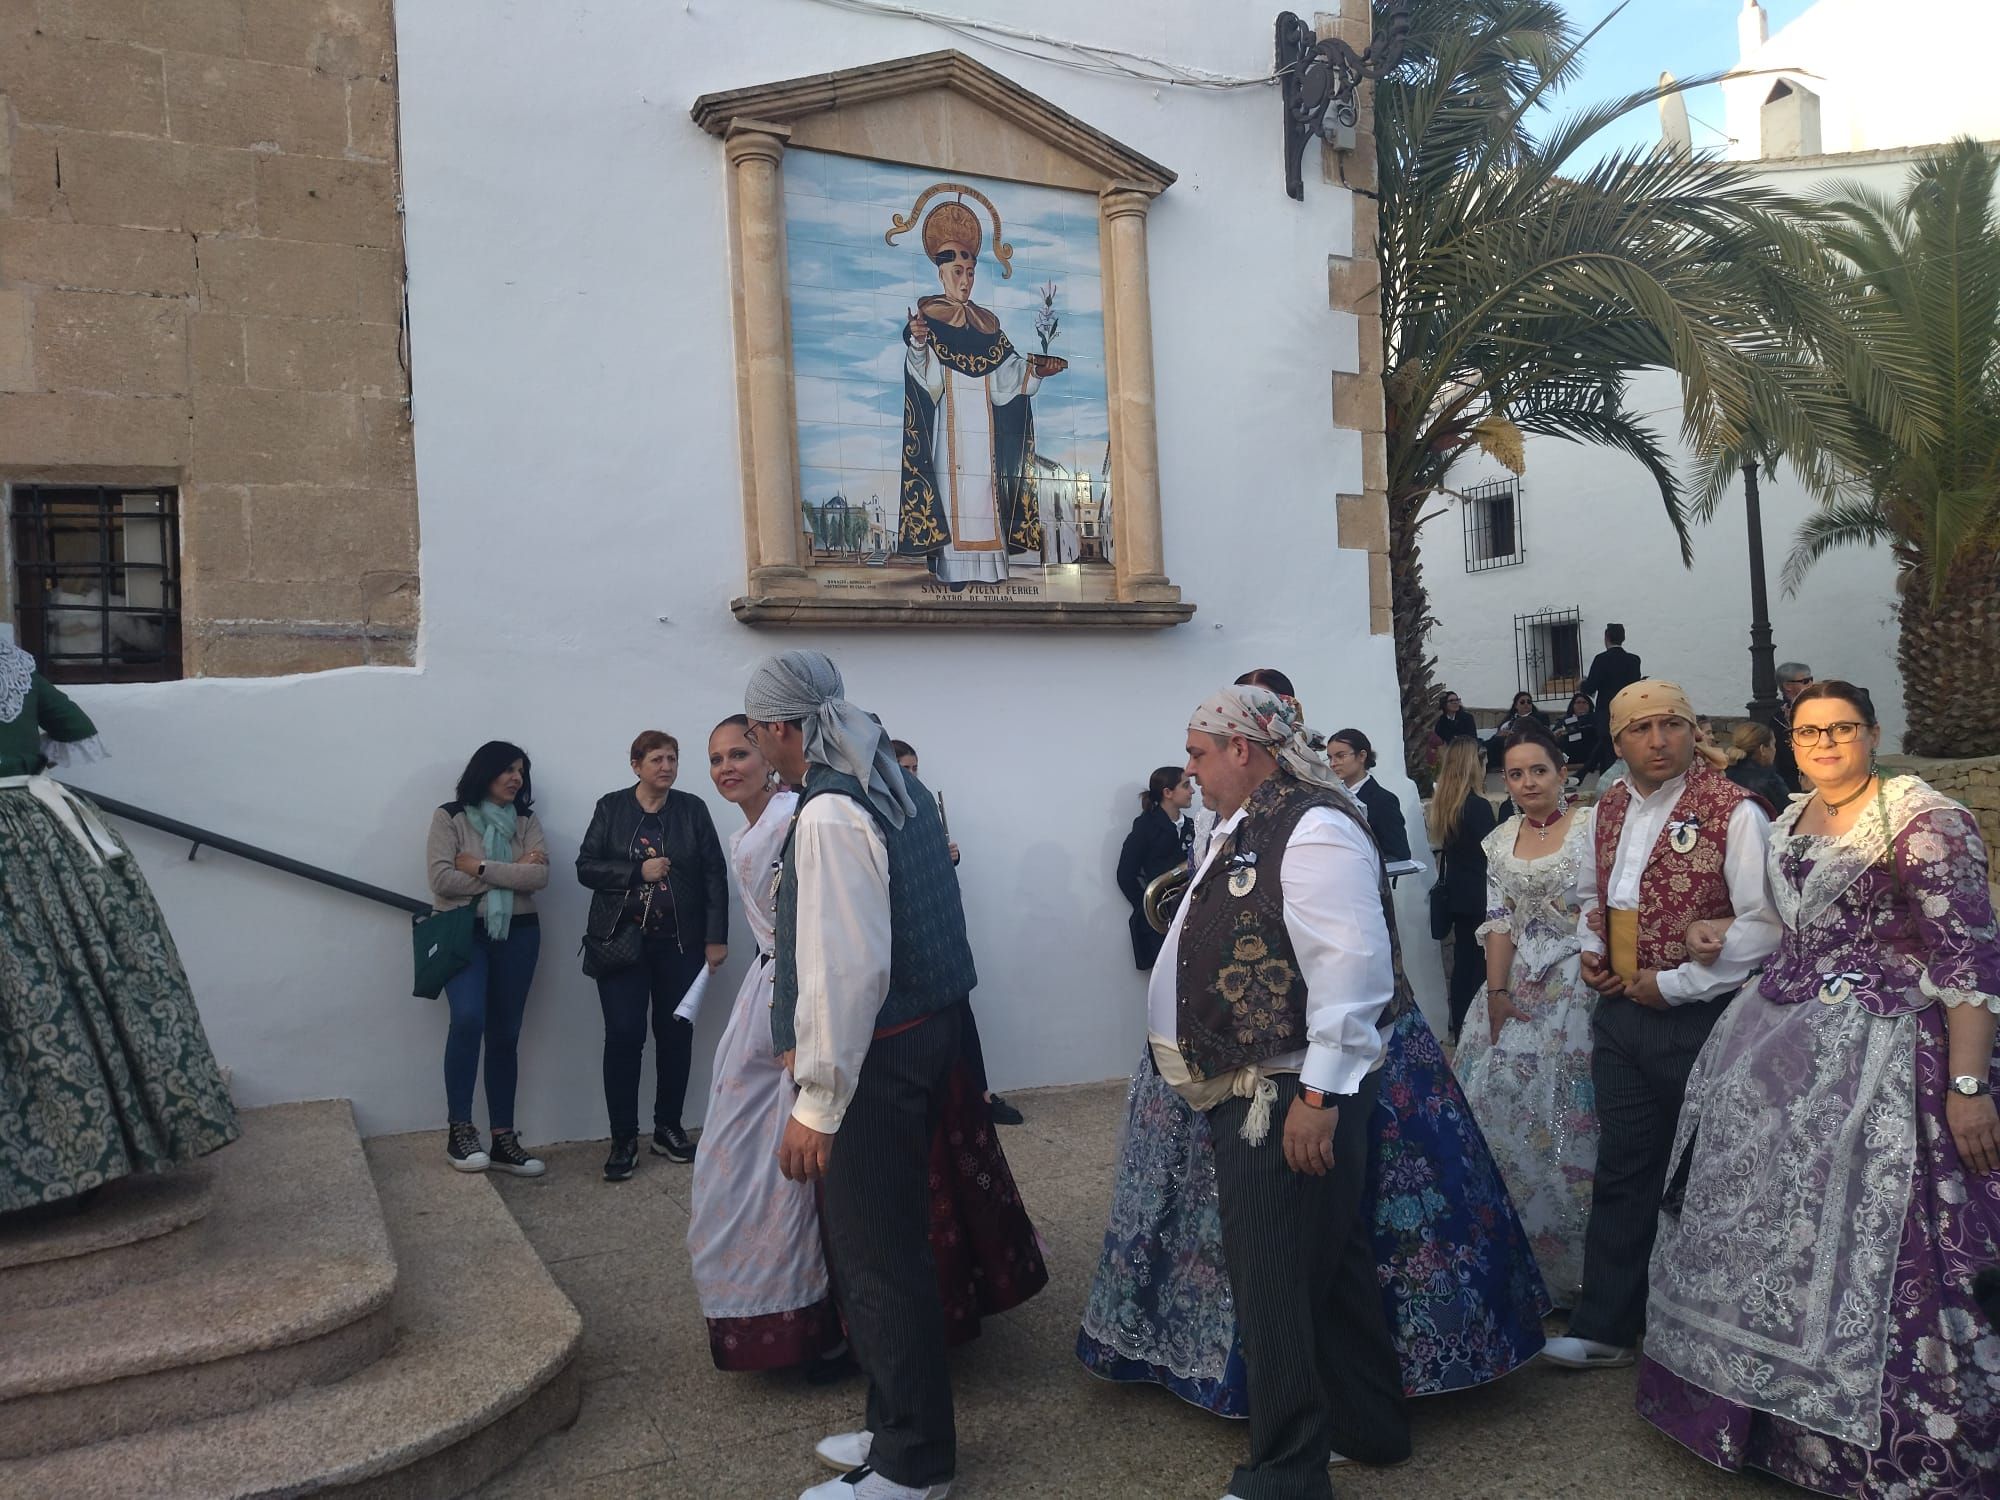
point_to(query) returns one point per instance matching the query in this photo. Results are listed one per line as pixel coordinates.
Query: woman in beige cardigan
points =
(486, 849)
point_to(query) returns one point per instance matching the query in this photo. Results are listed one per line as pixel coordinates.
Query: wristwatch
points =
(1318, 1098)
(1969, 1086)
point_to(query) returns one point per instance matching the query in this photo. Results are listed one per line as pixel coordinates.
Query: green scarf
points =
(496, 826)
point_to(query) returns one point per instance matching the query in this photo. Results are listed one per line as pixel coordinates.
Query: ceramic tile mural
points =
(948, 353)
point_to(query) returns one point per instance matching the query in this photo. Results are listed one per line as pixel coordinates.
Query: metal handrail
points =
(200, 838)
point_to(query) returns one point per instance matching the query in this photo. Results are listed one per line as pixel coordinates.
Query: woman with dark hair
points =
(659, 913)
(1160, 839)
(1813, 1310)
(1524, 1061)
(1352, 759)
(1577, 735)
(1453, 722)
(1521, 714)
(486, 850)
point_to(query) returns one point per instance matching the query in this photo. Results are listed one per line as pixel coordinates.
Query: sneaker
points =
(461, 1145)
(845, 1450)
(623, 1160)
(1586, 1354)
(507, 1156)
(864, 1483)
(1003, 1113)
(672, 1142)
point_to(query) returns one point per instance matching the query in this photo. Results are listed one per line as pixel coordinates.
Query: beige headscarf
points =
(1268, 719)
(1647, 699)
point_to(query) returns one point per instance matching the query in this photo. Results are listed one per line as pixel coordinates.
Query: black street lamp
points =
(1764, 703)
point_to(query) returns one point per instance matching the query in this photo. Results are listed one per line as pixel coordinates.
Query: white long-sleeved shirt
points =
(841, 865)
(1754, 935)
(1333, 915)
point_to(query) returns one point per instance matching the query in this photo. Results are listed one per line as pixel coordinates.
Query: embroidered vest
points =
(1679, 885)
(930, 960)
(1240, 998)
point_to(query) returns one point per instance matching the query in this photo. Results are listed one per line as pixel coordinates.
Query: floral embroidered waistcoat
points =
(1239, 996)
(1678, 885)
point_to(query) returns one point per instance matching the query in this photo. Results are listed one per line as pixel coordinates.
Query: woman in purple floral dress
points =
(1812, 1310)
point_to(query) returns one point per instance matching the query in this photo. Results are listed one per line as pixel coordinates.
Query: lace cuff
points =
(74, 752)
(1952, 995)
(1496, 921)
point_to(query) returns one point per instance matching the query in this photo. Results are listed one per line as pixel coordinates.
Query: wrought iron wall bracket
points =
(1321, 78)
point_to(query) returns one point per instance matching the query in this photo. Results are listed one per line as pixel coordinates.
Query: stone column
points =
(770, 434)
(1135, 499)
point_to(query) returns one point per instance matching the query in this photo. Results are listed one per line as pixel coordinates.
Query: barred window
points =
(1492, 514)
(1548, 653)
(97, 594)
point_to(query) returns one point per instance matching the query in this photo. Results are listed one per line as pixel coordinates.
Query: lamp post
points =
(1763, 704)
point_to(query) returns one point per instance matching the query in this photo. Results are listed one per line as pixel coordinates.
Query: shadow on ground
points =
(659, 1420)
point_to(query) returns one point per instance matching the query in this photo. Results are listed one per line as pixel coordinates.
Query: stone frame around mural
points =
(941, 111)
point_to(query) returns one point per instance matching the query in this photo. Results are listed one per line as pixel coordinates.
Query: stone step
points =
(292, 1289)
(135, 1229)
(482, 1368)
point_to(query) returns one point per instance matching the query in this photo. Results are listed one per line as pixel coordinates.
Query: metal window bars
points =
(1492, 517)
(97, 580)
(1548, 653)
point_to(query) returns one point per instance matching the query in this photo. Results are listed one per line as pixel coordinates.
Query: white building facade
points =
(1525, 573)
(578, 470)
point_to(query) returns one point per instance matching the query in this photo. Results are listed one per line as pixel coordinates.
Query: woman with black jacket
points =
(1353, 760)
(1577, 736)
(1459, 819)
(1453, 722)
(1159, 840)
(659, 913)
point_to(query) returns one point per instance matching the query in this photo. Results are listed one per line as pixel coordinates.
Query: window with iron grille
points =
(1548, 653)
(97, 588)
(1492, 515)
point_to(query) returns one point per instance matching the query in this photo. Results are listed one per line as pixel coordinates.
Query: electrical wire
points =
(1082, 56)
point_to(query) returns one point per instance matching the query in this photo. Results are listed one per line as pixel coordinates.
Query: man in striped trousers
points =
(1264, 1010)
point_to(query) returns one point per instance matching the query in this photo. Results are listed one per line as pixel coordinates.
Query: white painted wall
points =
(1910, 74)
(1597, 540)
(577, 465)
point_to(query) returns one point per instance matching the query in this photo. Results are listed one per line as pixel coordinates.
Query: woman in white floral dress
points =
(1524, 1060)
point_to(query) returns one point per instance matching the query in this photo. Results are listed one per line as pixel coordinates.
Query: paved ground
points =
(659, 1420)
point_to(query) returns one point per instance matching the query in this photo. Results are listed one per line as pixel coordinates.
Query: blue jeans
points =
(488, 998)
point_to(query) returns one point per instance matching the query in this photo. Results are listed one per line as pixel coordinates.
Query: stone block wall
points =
(1354, 285)
(201, 284)
(1976, 783)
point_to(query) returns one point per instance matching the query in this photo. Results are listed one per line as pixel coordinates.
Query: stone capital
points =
(755, 140)
(1121, 200)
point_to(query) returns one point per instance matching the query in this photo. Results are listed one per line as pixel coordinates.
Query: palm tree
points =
(1930, 262)
(1523, 284)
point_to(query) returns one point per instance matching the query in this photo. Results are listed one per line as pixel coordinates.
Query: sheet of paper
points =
(690, 1006)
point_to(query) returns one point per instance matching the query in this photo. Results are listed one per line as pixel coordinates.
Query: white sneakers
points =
(1586, 1354)
(845, 1450)
(848, 1452)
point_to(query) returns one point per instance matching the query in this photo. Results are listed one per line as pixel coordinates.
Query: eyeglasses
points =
(1805, 681)
(1843, 733)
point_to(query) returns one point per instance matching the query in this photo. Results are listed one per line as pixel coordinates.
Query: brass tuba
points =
(1163, 896)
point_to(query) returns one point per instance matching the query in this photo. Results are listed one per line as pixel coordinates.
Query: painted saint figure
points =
(968, 499)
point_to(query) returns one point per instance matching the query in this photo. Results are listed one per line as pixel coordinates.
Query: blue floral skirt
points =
(1464, 1298)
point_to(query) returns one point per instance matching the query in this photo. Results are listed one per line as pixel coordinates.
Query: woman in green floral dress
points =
(104, 1068)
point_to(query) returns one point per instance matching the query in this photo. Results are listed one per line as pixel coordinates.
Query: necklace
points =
(1834, 807)
(1543, 825)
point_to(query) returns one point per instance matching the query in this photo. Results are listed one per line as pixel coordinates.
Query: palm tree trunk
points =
(1949, 654)
(1411, 615)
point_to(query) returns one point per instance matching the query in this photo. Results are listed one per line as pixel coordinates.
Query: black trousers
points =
(971, 1051)
(653, 986)
(1468, 967)
(1323, 1374)
(875, 1213)
(1639, 1071)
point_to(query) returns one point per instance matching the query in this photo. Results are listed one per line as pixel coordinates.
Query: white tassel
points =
(1257, 1123)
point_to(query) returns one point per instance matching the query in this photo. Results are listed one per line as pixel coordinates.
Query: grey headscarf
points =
(806, 686)
(1271, 720)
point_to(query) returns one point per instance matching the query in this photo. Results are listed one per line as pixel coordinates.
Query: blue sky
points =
(1682, 37)
(852, 294)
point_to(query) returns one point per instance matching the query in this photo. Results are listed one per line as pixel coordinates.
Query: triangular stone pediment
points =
(939, 109)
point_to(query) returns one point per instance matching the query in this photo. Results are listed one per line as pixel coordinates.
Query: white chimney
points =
(1752, 27)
